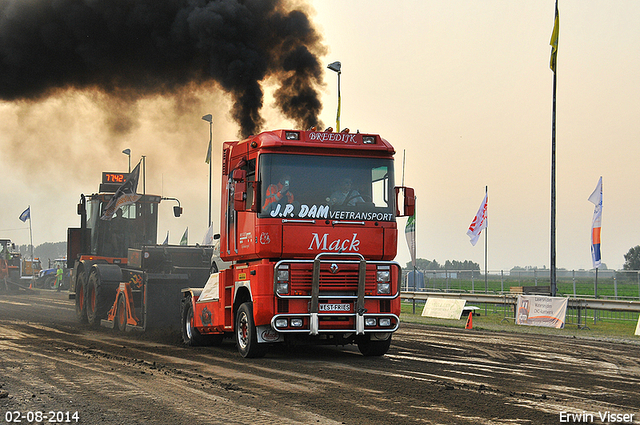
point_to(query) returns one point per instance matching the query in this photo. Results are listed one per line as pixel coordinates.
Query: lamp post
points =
(335, 67)
(209, 118)
(128, 153)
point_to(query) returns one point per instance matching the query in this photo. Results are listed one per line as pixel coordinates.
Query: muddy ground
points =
(431, 375)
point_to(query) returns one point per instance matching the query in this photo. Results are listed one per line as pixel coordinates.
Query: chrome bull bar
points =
(314, 324)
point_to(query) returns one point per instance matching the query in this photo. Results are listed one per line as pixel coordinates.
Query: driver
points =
(277, 193)
(344, 195)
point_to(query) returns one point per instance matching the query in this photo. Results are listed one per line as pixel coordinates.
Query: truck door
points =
(240, 201)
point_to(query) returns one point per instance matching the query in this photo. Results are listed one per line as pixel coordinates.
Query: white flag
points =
(207, 240)
(410, 234)
(479, 222)
(596, 225)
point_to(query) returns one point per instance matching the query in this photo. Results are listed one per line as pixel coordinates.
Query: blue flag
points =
(26, 215)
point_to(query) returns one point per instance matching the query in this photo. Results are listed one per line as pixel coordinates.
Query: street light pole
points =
(209, 118)
(128, 153)
(336, 67)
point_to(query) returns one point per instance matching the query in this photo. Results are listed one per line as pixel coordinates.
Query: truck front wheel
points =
(371, 347)
(97, 306)
(190, 335)
(121, 313)
(49, 282)
(81, 305)
(246, 336)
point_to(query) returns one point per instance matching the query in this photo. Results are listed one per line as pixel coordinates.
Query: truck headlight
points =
(292, 135)
(384, 322)
(281, 323)
(383, 277)
(296, 323)
(384, 288)
(283, 274)
(282, 280)
(370, 321)
(282, 287)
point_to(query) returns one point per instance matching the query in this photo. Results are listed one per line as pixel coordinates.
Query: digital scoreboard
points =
(119, 178)
(112, 181)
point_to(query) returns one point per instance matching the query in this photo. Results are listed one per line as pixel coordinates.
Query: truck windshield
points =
(326, 187)
(132, 226)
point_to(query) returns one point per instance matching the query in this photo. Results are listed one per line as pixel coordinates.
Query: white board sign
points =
(443, 308)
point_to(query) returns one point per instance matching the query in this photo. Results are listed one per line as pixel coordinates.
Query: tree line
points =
(423, 264)
(45, 252)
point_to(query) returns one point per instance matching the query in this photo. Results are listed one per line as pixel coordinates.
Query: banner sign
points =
(535, 310)
(443, 308)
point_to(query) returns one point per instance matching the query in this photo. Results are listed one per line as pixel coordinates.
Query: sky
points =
(461, 89)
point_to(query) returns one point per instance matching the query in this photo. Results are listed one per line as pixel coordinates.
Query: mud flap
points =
(266, 334)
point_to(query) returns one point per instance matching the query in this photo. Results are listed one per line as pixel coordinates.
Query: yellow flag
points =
(208, 158)
(554, 41)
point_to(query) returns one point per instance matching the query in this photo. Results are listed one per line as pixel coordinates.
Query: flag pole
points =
(486, 229)
(553, 192)
(404, 156)
(31, 238)
(553, 66)
(415, 232)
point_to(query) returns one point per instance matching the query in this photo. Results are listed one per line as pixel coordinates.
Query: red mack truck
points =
(307, 240)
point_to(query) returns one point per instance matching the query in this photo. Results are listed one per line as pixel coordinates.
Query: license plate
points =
(334, 307)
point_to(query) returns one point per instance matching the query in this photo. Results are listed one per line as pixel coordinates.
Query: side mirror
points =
(240, 196)
(408, 201)
(239, 175)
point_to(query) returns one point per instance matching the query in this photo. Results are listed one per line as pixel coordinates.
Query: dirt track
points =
(431, 375)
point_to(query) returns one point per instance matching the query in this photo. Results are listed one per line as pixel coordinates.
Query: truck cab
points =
(337, 199)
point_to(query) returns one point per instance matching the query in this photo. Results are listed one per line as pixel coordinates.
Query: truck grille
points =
(343, 281)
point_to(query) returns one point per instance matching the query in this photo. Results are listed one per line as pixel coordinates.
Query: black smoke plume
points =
(129, 49)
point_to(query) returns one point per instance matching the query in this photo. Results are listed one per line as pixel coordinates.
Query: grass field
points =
(497, 318)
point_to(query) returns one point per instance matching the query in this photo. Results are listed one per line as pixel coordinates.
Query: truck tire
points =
(190, 335)
(49, 282)
(97, 304)
(81, 290)
(372, 348)
(121, 314)
(246, 334)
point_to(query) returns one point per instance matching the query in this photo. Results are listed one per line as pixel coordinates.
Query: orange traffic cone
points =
(469, 321)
